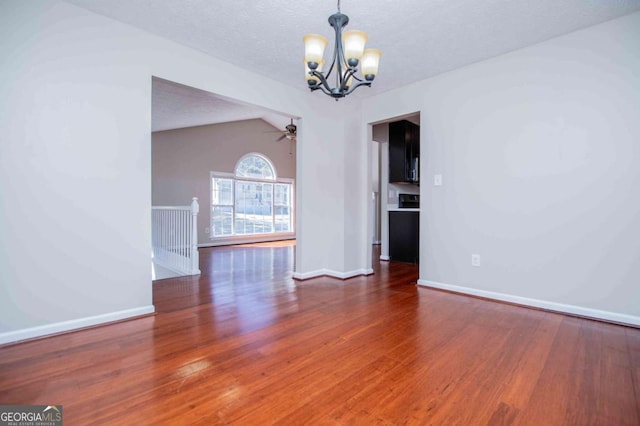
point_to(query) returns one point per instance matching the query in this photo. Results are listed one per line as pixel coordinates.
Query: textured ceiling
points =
(176, 106)
(418, 38)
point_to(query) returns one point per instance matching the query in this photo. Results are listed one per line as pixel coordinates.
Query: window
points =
(255, 166)
(252, 201)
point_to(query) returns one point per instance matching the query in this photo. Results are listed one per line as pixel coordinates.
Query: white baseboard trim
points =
(60, 327)
(384, 257)
(331, 273)
(178, 271)
(536, 303)
(308, 275)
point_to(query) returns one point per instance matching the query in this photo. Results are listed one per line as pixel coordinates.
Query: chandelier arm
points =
(319, 87)
(323, 80)
(345, 78)
(364, 83)
(355, 76)
(333, 62)
(323, 90)
(351, 72)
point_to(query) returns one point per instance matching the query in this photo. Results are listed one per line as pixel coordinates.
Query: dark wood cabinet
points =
(404, 236)
(404, 152)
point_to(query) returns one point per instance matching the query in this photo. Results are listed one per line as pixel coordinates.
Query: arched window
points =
(255, 166)
(251, 201)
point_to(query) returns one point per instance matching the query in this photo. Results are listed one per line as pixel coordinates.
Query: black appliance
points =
(404, 235)
(408, 201)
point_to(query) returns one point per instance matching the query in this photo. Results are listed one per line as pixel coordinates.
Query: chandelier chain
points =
(339, 11)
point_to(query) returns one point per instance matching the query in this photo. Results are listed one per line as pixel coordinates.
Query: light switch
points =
(437, 180)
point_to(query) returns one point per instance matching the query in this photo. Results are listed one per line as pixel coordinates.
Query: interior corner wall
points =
(75, 164)
(538, 150)
(182, 160)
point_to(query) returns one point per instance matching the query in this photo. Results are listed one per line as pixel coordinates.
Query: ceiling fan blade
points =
(281, 137)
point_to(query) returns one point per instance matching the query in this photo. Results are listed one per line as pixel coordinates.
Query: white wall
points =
(75, 166)
(75, 187)
(182, 160)
(539, 155)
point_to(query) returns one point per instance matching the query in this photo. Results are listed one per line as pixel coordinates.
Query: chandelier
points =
(348, 52)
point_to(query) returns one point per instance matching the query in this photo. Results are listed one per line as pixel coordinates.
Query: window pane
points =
(282, 194)
(255, 166)
(221, 191)
(253, 213)
(282, 208)
(283, 219)
(221, 221)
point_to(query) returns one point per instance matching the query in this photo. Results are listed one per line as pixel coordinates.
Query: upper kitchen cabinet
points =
(404, 152)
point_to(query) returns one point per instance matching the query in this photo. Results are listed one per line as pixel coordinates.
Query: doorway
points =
(195, 134)
(388, 193)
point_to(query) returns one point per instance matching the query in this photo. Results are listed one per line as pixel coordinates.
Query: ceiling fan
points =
(289, 132)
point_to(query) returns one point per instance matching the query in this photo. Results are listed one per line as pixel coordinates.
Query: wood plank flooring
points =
(245, 344)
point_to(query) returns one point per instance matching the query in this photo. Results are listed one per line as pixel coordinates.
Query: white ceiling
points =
(175, 106)
(418, 38)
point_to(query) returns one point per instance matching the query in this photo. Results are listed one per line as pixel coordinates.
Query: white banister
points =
(195, 260)
(175, 237)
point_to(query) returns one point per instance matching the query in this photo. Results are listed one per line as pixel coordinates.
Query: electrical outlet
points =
(437, 180)
(475, 260)
(206, 230)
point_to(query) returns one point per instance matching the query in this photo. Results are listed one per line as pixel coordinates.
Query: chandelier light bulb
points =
(354, 41)
(370, 62)
(314, 45)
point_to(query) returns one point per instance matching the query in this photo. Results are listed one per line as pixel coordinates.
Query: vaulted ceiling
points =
(175, 106)
(418, 38)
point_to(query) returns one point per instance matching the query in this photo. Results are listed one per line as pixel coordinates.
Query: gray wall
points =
(538, 150)
(183, 158)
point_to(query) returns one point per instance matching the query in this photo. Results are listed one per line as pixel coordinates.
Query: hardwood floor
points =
(246, 344)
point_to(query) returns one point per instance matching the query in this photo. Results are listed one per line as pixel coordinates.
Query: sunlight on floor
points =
(282, 243)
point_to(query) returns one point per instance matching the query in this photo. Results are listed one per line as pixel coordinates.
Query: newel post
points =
(195, 261)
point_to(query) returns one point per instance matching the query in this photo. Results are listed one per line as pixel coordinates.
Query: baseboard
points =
(351, 274)
(541, 304)
(331, 273)
(384, 257)
(309, 275)
(64, 326)
(182, 273)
